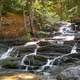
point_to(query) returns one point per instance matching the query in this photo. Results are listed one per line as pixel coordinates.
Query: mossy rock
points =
(56, 48)
(37, 60)
(9, 63)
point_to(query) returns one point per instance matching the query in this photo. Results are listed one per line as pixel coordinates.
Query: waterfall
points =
(52, 61)
(34, 53)
(46, 65)
(6, 54)
(22, 61)
(74, 49)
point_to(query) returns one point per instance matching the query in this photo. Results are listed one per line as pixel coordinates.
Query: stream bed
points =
(40, 58)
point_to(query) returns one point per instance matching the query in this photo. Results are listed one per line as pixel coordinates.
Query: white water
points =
(74, 49)
(31, 43)
(47, 64)
(50, 62)
(22, 62)
(6, 54)
(65, 27)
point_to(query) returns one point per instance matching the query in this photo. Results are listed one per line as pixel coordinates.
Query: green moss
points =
(9, 63)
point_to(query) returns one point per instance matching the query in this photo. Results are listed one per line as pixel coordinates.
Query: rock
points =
(3, 48)
(34, 61)
(44, 43)
(21, 51)
(61, 63)
(16, 55)
(78, 46)
(19, 76)
(70, 43)
(72, 73)
(10, 63)
(13, 42)
(68, 59)
(52, 50)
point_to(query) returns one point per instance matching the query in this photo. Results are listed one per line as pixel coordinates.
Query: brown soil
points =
(12, 26)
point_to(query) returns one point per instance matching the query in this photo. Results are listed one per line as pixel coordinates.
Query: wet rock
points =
(61, 63)
(70, 43)
(10, 63)
(3, 48)
(54, 50)
(13, 42)
(78, 46)
(72, 73)
(68, 59)
(21, 51)
(44, 43)
(34, 61)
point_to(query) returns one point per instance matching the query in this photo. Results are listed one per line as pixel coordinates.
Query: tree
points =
(1, 6)
(31, 15)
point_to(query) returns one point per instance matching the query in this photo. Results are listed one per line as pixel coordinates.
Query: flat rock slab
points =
(19, 76)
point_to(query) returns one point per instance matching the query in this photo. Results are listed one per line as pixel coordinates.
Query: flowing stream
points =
(6, 54)
(49, 63)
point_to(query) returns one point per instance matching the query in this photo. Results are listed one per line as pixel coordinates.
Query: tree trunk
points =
(31, 16)
(25, 21)
(1, 6)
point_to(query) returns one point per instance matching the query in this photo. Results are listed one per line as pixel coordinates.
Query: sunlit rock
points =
(19, 76)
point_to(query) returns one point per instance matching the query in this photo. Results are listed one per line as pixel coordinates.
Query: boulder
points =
(72, 73)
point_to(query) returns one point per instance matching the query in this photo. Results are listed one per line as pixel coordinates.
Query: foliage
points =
(44, 11)
(42, 34)
(44, 8)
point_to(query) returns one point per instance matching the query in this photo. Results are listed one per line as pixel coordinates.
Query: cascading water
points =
(22, 61)
(46, 65)
(74, 49)
(51, 62)
(6, 54)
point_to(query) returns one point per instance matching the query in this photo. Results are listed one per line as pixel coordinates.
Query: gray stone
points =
(72, 73)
